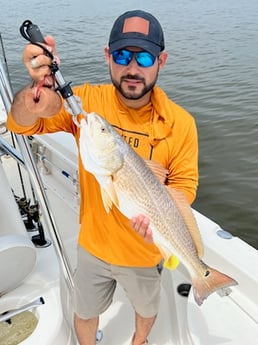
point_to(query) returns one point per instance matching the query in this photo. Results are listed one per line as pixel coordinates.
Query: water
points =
(211, 71)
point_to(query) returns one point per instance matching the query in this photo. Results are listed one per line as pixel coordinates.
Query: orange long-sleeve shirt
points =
(161, 131)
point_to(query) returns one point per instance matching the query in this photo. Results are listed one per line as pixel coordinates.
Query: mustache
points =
(132, 77)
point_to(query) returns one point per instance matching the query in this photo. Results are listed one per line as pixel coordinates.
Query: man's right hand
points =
(38, 63)
(37, 100)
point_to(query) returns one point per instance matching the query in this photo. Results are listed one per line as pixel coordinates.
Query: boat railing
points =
(25, 157)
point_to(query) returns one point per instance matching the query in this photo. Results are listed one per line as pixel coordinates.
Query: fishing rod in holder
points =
(32, 34)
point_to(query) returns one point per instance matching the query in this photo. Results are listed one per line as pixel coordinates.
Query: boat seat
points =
(17, 260)
(17, 253)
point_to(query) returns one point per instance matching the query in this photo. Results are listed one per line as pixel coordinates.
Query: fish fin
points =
(158, 170)
(108, 193)
(188, 216)
(170, 261)
(212, 281)
(107, 202)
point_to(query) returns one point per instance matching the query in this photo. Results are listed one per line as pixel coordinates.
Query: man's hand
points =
(37, 62)
(141, 224)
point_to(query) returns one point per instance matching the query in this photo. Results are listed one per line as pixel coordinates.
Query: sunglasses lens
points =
(145, 59)
(124, 57)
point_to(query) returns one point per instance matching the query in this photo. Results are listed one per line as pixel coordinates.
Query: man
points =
(111, 248)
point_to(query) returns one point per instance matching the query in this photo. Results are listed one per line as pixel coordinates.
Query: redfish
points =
(129, 183)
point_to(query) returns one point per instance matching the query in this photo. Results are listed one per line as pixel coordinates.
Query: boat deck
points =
(230, 320)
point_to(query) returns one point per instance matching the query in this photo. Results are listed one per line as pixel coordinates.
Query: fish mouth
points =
(91, 120)
(86, 118)
(89, 123)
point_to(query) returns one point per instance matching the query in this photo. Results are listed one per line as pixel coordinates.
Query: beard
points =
(131, 92)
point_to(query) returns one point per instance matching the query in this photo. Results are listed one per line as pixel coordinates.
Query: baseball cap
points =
(137, 29)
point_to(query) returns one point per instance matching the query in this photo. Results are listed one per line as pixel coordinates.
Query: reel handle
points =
(32, 33)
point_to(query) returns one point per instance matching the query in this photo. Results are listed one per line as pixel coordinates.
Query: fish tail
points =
(212, 281)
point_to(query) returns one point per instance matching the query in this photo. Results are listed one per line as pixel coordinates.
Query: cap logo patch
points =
(136, 24)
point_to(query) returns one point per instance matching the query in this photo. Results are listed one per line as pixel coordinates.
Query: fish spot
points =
(207, 273)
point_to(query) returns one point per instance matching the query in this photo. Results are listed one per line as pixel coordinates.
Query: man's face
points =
(133, 81)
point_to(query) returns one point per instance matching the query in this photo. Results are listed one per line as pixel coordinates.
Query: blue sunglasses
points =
(124, 57)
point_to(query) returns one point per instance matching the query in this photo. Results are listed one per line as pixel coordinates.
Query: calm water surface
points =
(212, 71)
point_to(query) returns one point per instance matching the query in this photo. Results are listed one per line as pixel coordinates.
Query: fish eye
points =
(103, 129)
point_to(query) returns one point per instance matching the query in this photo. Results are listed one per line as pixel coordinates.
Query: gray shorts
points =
(95, 282)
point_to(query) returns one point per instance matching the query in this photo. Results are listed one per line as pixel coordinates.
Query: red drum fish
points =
(129, 183)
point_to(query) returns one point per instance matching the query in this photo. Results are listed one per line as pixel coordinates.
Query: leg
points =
(142, 287)
(86, 330)
(143, 327)
(93, 293)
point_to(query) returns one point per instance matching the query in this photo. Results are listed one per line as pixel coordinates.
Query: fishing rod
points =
(32, 34)
(29, 162)
(4, 81)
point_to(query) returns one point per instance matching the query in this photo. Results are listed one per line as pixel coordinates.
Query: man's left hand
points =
(141, 224)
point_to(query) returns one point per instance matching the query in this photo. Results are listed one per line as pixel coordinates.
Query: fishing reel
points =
(32, 34)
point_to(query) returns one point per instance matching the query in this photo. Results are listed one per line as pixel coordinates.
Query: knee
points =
(80, 320)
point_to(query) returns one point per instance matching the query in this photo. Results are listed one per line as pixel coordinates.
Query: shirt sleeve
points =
(16, 128)
(60, 122)
(183, 164)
